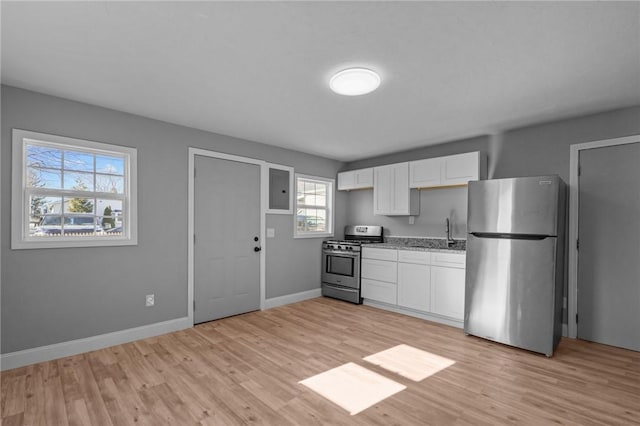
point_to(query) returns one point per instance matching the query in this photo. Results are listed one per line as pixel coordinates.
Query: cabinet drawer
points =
(379, 253)
(380, 291)
(451, 260)
(379, 270)
(410, 256)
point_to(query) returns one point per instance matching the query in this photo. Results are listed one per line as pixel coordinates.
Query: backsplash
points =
(436, 205)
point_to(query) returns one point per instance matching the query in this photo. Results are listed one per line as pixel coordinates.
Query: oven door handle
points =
(341, 253)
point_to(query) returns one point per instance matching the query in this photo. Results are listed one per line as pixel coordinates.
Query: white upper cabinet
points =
(425, 173)
(460, 169)
(445, 171)
(355, 179)
(391, 193)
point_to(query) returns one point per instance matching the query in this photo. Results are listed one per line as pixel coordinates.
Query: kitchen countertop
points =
(421, 244)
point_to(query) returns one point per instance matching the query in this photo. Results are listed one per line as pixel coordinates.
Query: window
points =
(71, 192)
(314, 207)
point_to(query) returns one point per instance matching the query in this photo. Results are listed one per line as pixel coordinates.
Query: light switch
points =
(271, 232)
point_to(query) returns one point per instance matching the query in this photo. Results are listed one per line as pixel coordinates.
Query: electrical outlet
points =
(150, 300)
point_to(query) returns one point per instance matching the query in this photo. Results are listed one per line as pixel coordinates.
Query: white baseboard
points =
(412, 313)
(292, 298)
(59, 350)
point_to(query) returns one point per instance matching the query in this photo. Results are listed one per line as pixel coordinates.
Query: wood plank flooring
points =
(246, 369)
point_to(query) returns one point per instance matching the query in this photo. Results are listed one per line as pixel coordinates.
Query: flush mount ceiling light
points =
(354, 82)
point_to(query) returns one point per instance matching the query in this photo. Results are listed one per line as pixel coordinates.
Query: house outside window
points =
(71, 192)
(314, 207)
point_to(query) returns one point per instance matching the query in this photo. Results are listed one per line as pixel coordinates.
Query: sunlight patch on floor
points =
(352, 387)
(410, 362)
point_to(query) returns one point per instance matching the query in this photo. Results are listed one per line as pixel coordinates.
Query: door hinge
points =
(577, 244)
(194, 238)
(579, 170)
(194, 172)
(194, 304)
(576, 318)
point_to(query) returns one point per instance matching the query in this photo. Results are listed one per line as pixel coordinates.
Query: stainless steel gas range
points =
(341, 262)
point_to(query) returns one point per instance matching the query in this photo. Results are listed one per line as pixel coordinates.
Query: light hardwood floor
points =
(246, 369)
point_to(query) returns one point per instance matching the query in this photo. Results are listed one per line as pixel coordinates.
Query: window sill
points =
(21, 245)
(319, 235)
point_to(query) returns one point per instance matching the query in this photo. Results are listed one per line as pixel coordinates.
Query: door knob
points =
(257, 248)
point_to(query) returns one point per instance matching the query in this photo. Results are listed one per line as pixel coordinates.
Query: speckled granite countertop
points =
(421, 244)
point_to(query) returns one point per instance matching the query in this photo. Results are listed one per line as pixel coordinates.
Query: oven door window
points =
(340, 265)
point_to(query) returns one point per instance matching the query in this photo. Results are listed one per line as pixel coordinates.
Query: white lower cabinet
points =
(379, 290)
(379, 272)
(429, 283)
(414, 286)
(447, 292)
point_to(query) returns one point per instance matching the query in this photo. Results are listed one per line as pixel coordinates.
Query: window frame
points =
(330, 207)
(20, 238)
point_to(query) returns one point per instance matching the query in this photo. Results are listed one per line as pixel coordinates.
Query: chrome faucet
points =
(450, 241)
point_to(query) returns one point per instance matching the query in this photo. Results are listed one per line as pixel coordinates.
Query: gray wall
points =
(435, 206)
(528, 151)
(535, 150)
(56, 295)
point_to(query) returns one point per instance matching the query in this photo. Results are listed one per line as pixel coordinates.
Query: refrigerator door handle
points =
(510, 236)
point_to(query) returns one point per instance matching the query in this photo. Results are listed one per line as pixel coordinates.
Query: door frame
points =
(574, 162)
(191, 221)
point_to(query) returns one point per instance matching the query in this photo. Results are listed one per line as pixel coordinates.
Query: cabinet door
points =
(355, 179)
(460, 169)
(447, 292)
(346, 180)
(425, 173)
(363, 178)
(382, 188)
(400, 189)
(379, 270)
(414, 286)
(391, 193)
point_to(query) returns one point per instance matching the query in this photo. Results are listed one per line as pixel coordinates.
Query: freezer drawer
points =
(510, 291)
(526, 205)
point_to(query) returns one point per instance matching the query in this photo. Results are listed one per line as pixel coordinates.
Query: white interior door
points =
(227, 230)
(609, 235)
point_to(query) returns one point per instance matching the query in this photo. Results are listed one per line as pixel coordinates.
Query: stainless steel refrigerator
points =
(515, 261)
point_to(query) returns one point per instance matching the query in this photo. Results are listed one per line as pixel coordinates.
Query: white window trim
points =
(330, 208)
(19, 202)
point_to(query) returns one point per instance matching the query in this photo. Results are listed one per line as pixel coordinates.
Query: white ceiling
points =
(260, 70)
